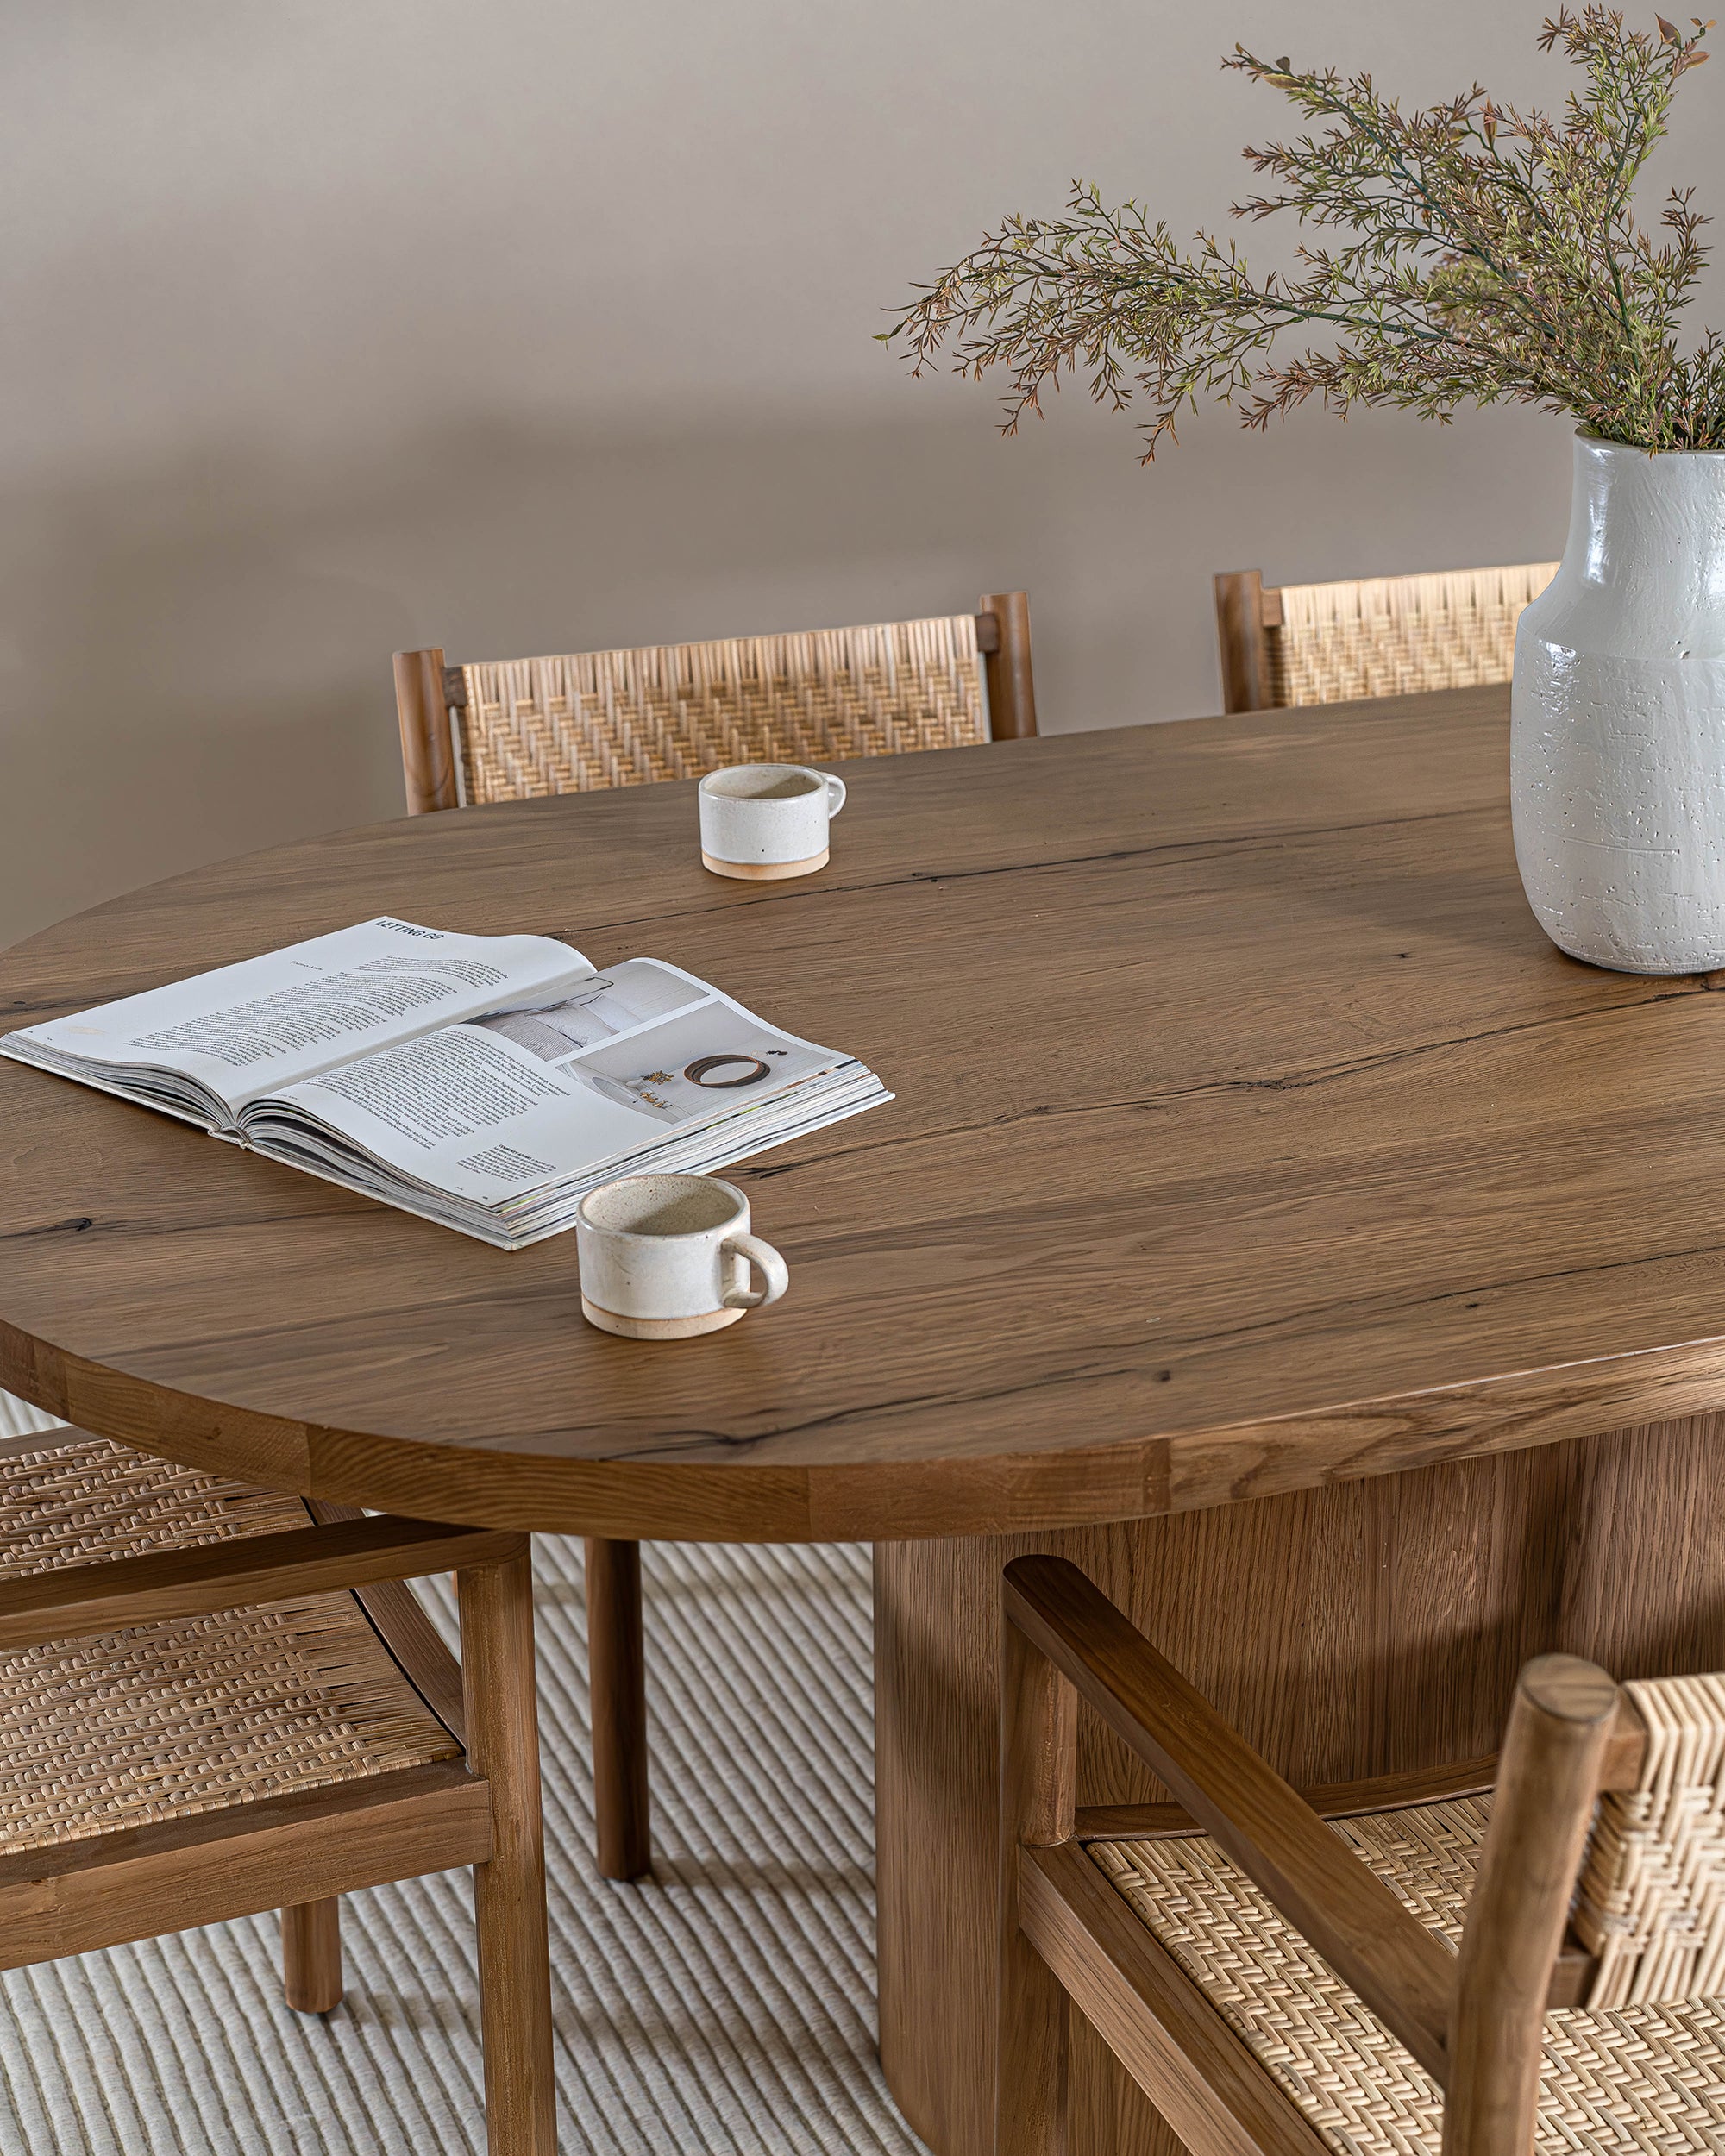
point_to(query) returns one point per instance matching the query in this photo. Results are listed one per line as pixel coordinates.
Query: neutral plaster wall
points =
(338, 325)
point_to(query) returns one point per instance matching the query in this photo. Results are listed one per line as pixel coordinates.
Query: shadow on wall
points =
(197, 661)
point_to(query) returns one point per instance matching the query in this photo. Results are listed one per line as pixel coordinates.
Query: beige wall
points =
(515, 324)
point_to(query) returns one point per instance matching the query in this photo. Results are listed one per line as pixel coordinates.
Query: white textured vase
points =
(1617, 733)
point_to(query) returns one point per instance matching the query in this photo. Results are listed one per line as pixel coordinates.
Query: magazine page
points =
(247, 1030)
(638, 1056)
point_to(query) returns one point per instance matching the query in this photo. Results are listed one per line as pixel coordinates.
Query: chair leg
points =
(616, 1667)
(311, 1955)
(509, 1891)
(1039, 1761)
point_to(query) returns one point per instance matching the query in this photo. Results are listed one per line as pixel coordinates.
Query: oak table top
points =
(1249, 1135)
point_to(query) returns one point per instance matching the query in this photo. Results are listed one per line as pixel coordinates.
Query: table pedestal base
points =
(1347, 1631)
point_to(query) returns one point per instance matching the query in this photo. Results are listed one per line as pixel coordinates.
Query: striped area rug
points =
(724, 2008)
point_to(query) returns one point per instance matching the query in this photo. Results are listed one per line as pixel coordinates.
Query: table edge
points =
(695, 1501)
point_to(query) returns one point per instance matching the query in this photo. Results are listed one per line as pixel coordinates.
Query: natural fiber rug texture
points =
(727, 2005)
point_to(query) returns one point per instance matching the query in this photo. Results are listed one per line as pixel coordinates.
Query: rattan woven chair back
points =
(1536, 1965)
(1398, 635)
(1650, 1906)
(216, 1700)
(512, 730)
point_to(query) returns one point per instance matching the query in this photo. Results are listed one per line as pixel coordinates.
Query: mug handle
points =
(835, 793)
(746, 1248)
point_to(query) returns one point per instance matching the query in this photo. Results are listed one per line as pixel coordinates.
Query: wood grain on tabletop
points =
(1249, 1133)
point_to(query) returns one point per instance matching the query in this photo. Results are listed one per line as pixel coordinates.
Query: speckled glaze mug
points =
(766, 820)
(667, 1257)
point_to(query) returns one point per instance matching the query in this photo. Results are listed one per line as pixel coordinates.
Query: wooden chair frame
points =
(1474, 2023)
(427, 693)
(1246, 613)
(300, 1851)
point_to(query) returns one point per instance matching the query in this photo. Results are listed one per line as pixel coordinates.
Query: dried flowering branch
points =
(1494, 255)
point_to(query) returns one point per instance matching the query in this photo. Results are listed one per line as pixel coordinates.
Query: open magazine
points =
(486, 1081)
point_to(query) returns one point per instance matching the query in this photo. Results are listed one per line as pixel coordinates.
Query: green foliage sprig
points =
(1495, 255)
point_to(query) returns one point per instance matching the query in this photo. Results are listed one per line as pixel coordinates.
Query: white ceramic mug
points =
(666, 1257)
(767, 819)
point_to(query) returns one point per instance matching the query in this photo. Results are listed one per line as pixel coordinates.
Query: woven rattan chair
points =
(214, 1701)
(515, 729)
(1533, 1963)
(1398, 635)
(512, 729)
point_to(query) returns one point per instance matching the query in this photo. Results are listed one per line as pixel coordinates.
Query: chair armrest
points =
(76, 1601)
(1368, 1936)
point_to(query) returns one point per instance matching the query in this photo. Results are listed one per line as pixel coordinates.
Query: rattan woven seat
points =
(166, 1720)
(1649, 2078)
(1402, 636)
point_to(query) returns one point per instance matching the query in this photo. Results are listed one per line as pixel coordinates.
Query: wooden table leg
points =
(509, 1891)
(1347, 1631)
(617, 1676)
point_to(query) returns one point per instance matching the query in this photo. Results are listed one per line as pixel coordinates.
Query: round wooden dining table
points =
(1269, 1217)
